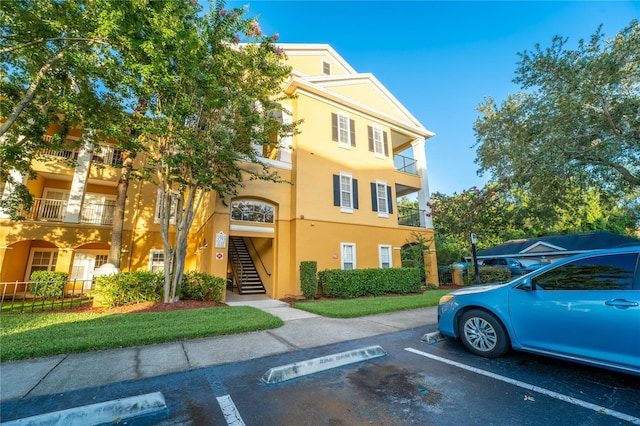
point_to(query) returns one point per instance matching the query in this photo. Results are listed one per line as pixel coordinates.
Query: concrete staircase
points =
(244, 270)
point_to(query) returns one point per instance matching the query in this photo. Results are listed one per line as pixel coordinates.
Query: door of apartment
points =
(53, 205)
(84, 263)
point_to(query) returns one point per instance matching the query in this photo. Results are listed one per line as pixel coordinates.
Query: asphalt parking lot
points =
(414, 383)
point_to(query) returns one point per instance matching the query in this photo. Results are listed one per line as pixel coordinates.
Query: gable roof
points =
(558, 244)
(348, 86)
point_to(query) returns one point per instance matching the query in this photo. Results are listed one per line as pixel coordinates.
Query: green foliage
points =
(575, 121)
(369, 282)
(48, 284)
(412, 253)
(493, 274)
(28, 336)
(19, 200)
(128, 288)
(309, 278)
(202, 286)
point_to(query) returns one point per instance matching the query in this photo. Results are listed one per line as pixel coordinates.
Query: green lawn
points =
(44, 334)
(30, 335)
(351, 308)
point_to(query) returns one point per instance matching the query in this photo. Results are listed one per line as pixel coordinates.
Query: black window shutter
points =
(386, 144)
(374, 197)
(336, 190)
(352, 129)
(389, 200)
(334, 126)
(370, 131)
(355, 193)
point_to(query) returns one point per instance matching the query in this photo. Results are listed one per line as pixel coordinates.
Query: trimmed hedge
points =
(494, 274)
(48, 283)
(129, 287)
(348, 284)
(202, 286)
(309, 278)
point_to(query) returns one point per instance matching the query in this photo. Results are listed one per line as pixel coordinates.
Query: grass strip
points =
(37, 335)
(352, 308)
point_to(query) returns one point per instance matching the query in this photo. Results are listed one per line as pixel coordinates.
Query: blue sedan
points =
(584, 308)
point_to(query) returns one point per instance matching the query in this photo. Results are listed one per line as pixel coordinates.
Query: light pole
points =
(474, 240)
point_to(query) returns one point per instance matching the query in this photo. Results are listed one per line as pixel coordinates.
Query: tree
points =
(51, 56)
(209, 107)
(577, 120)
(480, 211)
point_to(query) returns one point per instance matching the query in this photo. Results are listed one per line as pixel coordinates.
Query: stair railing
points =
(236, 266)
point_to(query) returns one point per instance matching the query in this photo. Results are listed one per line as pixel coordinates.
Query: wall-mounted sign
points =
(219, 256)
(221, 240)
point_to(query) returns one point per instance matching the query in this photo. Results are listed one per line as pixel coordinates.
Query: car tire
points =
(483, 334)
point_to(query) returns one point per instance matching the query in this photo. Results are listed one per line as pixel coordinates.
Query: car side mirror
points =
(527, 284)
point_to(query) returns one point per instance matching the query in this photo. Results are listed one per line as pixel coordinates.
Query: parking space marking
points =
(552, 394)
(228, 407)
(230, 411)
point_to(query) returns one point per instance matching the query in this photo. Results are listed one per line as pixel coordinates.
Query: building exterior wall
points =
(307, 223)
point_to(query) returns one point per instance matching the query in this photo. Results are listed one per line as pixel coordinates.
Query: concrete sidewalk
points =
(64, 373)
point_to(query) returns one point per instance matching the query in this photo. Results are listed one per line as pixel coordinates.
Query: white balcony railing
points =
(47, 210)
(102, 154)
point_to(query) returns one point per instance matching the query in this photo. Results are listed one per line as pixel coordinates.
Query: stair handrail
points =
(259, 257)
(236, 264)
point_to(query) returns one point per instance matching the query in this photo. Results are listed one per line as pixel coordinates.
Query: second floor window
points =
(345, 192)
(252, 211)
(343, 130)
(174, 207)
(381, 198)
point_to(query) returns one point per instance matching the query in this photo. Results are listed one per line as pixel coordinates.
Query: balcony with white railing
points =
(47, 210)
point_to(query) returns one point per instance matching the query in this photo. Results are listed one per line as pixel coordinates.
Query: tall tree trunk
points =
(115, 250)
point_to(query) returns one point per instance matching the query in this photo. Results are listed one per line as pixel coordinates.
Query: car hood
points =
(477, 289)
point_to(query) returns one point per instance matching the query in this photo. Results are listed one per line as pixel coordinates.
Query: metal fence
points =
(32, 296)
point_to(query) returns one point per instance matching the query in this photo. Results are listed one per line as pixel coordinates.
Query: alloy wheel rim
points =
(480, 334)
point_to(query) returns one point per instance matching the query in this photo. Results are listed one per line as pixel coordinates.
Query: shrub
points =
(348, 284)
(202, 286)
(129, 287)
(48, 283)
(493, 274)
(309, 278)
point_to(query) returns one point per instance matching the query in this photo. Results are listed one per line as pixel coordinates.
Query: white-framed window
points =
(384, 252)
(348, 255)
(381, 198)
(343, 130)
(326, 68)
(378, 142)
(42, 260)
(156, 260)
(174, 207)
(345, 192)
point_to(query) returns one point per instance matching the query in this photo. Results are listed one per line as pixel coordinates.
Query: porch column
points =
(79, 182)
(284, 153)
(420, 155)
(9, 187)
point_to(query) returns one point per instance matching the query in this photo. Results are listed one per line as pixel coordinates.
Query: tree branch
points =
(28, 97)
(624, 172)
(46, 40)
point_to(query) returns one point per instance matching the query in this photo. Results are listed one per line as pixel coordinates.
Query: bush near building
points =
(202, 286)
(48, 284)
(348, 284)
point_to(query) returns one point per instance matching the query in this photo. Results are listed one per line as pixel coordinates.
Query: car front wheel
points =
(482, 334)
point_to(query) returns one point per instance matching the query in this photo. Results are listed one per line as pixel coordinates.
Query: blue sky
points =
(440, 59)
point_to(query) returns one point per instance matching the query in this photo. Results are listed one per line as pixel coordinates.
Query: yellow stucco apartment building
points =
(358, 152)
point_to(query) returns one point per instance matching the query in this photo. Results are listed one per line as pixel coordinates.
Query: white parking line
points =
(556, 395)
(229, 410)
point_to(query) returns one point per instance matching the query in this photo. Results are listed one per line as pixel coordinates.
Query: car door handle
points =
(621, 303)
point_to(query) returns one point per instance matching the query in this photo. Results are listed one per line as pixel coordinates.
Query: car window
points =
(612, 272)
